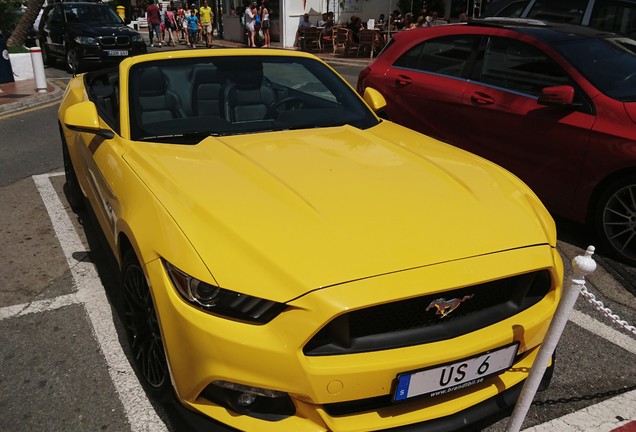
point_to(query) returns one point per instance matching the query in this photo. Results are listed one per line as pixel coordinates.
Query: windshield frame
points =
(322, 98)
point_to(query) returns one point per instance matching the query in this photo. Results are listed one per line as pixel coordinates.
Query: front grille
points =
(111, 41)
(407, 322)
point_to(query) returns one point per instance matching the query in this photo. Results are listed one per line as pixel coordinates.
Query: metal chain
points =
(607, 311)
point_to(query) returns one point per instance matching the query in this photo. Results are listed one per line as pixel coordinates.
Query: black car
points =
(86, 34)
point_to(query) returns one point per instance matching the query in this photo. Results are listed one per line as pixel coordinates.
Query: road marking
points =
(28, 110)
(601, 417)
(38, 306)
(90, 292)
(598, 328)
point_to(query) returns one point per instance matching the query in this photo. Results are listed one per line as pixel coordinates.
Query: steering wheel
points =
(291, 103)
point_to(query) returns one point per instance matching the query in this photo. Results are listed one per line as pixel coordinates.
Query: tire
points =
(72, 189)
(73, 63)
(142, 329)
(46, 58)
(615, 219)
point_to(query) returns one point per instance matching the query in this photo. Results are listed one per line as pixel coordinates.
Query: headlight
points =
(219, 301)
(86, 40)
(137, 38)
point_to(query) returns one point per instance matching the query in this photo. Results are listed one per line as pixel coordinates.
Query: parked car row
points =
(618, 16)
(553, 103)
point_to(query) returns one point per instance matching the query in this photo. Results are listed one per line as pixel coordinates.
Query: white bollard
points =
(38, 69)
(582, 266)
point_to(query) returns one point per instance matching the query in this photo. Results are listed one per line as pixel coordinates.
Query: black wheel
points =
(142, 328)
(615, 219)
(73, 62)
(46, 58)
(72, 189)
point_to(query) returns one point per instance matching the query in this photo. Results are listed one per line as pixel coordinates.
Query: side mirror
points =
(374, 99)
(557, 96)
(82, 117)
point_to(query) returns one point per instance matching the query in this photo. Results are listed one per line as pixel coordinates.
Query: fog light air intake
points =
(264, 404)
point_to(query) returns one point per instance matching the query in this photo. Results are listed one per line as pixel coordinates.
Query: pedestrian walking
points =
(193, 27)
(153, 16)
(171, 27)
(206, 15)
(162, 21)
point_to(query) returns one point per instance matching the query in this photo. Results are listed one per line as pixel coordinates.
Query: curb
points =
(33, 100)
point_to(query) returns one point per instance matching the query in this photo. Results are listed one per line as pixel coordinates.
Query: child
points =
(193, 27)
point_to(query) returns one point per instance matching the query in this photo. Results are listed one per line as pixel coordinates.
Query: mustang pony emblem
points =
(445, 307)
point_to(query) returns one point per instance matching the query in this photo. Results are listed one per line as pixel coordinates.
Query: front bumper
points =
(203, 348)
(91, 54)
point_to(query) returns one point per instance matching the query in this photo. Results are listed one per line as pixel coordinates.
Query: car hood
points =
(282, 213)
(88, 29)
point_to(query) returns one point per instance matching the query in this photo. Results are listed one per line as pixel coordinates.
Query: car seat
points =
(157, 102)
(207, 92)
(247, 96)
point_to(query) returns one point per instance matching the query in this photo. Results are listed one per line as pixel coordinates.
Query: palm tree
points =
(25, 24)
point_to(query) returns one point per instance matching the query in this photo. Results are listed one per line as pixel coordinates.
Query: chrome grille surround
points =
(111, 41)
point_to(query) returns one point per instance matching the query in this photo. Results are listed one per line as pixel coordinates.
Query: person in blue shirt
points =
(193, 26)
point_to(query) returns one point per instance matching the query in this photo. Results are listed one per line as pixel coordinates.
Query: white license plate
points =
(116, 52)
(447, 378)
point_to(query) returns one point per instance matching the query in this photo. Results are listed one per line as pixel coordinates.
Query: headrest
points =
(152, 82)
(244, 72)
(204, 75)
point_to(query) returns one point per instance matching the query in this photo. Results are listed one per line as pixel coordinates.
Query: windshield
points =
(92, 14)
(185, 100)
(609, 64)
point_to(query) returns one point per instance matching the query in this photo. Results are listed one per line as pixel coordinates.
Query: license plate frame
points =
(429, 381)
(116, 53)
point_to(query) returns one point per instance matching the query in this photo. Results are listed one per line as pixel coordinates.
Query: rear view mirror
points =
(82, 117)
(557, 96)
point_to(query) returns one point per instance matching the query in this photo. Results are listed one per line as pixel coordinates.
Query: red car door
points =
(424, 86)
(544, 145)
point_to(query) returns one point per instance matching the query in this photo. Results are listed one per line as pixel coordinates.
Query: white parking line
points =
(601, 417)
(598, 328)
(38, 306)
(90, 292)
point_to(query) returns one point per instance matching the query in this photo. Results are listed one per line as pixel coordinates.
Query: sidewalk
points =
(22, 95)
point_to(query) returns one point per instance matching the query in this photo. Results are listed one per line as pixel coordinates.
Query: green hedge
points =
(18, 50)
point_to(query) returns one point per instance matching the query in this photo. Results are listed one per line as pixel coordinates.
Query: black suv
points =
(86, 34)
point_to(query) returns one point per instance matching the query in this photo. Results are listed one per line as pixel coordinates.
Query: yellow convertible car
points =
(292, 262)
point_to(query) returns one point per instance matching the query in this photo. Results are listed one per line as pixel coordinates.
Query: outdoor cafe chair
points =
(310, 39)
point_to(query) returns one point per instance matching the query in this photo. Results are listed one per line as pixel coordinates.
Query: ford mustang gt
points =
(290, 261)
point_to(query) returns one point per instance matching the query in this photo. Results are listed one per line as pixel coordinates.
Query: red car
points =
(553, 103)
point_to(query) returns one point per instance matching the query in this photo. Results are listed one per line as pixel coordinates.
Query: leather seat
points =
(248, 96)
(156, 101)
(207, 92)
